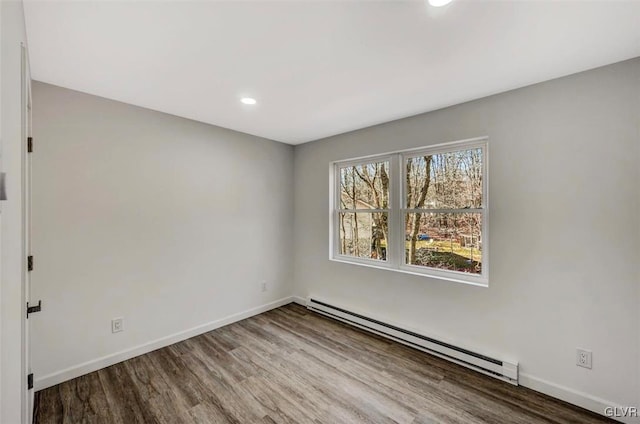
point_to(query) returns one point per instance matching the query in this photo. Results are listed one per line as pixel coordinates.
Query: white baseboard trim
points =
(299, 300)
(108, 360)
(574, 397)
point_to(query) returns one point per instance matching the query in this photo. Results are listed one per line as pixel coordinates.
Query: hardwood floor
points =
(290, 365)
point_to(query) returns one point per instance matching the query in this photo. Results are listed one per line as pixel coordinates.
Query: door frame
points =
(25, 94)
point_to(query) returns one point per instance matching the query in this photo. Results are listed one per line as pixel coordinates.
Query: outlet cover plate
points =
(117, 325)
(584, 358)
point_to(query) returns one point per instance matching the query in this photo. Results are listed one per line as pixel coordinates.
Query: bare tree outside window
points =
(364, 204)
(428, 203)
(447, 187)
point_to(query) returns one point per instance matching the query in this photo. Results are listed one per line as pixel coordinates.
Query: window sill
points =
(479, 282)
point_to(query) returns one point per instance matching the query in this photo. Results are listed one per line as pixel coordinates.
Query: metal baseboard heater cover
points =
(503, 370)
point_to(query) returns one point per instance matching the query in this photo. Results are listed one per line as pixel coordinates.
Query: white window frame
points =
(396, 260)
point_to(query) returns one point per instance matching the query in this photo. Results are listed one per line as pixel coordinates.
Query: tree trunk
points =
(380, 220)
(344, 235)
(356, 236)
(417, 216)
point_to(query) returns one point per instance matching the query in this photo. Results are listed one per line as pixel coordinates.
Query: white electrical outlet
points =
(583, 358)
(117, 325)
(263, 285)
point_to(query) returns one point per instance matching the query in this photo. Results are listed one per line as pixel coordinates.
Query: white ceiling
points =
(318, 68)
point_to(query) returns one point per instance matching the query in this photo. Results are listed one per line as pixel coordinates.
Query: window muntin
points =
(421, 211)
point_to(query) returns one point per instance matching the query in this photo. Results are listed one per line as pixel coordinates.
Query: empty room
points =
(319, 211)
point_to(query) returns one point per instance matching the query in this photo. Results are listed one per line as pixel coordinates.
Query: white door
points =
(26, 205)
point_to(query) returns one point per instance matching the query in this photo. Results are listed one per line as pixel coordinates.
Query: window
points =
(422, 211)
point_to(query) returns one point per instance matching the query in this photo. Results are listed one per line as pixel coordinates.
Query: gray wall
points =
(167, 222)
(564, 191)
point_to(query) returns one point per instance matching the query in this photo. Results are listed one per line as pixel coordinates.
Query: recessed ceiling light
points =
(248, 100)
(439, 3)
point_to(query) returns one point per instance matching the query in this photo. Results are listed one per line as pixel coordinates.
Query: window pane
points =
(449, 241)
(450, 180)
(365, 186)
(363, 235)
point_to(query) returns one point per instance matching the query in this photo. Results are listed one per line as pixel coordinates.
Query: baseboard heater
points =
(503, 370)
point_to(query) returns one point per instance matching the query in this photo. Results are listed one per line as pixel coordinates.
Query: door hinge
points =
(29, 144)
(34, 309)
(30, 381)
(30, 263)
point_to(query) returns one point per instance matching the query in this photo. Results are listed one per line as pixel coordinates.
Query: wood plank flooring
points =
(290, 365)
